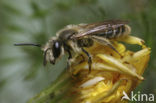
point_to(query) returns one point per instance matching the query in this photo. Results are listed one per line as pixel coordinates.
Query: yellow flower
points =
(111, 74)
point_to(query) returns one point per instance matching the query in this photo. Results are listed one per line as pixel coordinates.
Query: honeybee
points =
(74, 39)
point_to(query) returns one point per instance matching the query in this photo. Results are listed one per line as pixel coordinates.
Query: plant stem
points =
(57, 92)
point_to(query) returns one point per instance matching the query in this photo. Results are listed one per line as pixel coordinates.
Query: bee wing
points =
(96, 28)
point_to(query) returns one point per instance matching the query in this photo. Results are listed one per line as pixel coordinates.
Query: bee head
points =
(52, 51)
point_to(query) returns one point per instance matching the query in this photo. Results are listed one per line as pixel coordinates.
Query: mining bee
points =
(75, 39)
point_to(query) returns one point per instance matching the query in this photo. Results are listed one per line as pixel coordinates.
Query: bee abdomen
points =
(116, 32)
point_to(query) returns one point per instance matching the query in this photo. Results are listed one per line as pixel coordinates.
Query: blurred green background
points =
(22, 74)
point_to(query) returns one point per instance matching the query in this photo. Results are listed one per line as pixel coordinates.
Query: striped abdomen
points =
(116, 31)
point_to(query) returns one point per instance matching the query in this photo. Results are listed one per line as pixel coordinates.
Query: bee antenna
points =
(27, 44)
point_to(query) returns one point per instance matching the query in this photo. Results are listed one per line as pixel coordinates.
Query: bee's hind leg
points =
(105, 41)
(89, 59)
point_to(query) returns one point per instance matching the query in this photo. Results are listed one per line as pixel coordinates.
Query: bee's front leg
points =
(73, 61)
(69, 62)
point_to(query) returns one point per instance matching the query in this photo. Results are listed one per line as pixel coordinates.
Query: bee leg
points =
(69, 59)
(70, 55)
(82, 59)
(45, 59)
(104, 41)
(89, 59)
(112, 47)
(69, 62)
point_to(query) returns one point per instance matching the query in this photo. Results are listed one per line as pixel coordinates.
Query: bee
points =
(74, 39)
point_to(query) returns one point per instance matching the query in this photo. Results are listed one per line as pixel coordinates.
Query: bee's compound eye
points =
(56, 49)
(56, 45)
